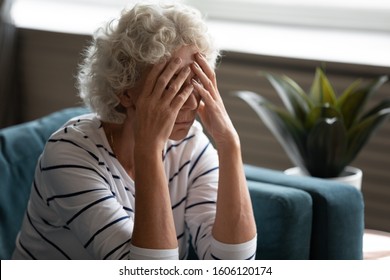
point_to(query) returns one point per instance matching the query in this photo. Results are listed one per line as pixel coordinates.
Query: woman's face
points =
(187, 113)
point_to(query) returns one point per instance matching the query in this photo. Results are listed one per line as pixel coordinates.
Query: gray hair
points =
(143, 35)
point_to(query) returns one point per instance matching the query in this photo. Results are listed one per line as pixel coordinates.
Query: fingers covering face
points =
(206, 83)
(162, 74)
(166, 83)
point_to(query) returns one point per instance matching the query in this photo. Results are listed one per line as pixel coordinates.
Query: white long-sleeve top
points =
(82, 201)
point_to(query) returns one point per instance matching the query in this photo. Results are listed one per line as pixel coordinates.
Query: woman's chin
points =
(180, 131)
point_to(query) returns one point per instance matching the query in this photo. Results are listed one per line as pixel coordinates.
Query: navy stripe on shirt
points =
(100, 146)
(87, 207)
(44, 238)
(180, 236)
(27, 251)
(89, 152)
(36, 189)
(196, 239)
(115, 249)
(180, 169)
(200, 203)
(251, 257)
(128, 209)
(73, 166)
(104, 228)
(205, 173)
(198, 158)
(177, 145)
(75, 144)
(51, 225)
(124, 255)
(180, 202)
(72, 194)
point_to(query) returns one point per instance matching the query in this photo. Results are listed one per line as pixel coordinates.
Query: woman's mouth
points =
(183, 122)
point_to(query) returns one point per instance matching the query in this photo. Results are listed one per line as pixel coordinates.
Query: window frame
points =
(367, 15)
(332, 14)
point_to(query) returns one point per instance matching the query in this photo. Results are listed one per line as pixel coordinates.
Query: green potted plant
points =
(322, 133)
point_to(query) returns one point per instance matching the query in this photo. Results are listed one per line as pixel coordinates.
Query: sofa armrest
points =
(338, 213)
(20, 147)
(284, 218)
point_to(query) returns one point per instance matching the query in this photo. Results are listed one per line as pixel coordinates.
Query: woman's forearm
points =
(234, 222)
(153, 220)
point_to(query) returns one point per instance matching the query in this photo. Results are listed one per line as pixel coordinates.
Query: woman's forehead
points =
(186, 53)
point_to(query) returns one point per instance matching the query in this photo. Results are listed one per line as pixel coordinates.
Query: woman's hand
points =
(234, 209)
(212, 110)
(162, 93)
(162, 96)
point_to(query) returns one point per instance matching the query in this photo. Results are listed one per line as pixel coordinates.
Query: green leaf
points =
(326, 145)
(287, 130)
(382, 105)
(321, 112)
(360, 133)
(321, 91)
(351, 103)
(319, 133)
(292, 95)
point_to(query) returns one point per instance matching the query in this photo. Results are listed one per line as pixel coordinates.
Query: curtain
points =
(9, 112)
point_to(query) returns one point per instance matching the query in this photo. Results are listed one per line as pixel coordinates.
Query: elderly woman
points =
(138, 178)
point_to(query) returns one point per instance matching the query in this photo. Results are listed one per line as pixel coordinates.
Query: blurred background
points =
(41, 42)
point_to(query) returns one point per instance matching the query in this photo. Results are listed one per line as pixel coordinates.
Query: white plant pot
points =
(351, 175)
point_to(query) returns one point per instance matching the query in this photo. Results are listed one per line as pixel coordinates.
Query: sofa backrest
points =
(20, 147)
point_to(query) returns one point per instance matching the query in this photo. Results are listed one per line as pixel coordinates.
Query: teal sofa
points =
(297, 217)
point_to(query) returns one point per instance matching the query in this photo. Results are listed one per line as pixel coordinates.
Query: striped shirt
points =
(81, 204)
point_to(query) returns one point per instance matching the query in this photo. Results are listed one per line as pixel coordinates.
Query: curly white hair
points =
(143, 35)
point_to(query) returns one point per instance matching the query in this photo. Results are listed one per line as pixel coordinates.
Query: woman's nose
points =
(192, 102)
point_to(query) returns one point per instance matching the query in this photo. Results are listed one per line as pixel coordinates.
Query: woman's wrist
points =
(228, 142)
(147, 146)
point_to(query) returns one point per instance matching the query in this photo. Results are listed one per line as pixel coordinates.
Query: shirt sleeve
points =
(137, 253)
(242, 251)
(201, 209)
(77, 187)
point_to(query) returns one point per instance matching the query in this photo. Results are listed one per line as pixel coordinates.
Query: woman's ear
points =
(127, 99)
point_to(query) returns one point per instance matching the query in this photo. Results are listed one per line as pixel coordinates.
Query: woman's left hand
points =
(212, 111)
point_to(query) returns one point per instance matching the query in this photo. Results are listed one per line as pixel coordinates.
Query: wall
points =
(8, 87)
(48, 64)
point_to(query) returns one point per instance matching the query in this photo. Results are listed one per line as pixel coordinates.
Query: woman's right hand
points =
(162, 95)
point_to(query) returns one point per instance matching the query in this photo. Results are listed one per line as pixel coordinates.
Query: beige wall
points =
(47, 68)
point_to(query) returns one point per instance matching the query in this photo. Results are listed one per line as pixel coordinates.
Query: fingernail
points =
(195, 82)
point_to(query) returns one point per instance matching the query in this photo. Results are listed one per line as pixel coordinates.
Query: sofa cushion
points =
(20, 147)
(338, 213)
(287, 212)
(283, 217)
